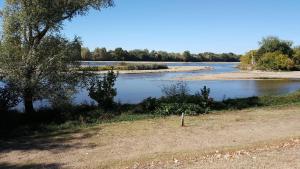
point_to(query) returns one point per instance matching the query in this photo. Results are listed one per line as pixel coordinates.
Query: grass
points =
(80, 117)
(158, 141)
(126, 66)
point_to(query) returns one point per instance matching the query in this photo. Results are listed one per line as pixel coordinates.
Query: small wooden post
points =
(182, 119)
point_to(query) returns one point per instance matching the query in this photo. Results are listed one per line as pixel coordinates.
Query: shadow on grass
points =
(57, 142)
(238, 104)
(29, 166)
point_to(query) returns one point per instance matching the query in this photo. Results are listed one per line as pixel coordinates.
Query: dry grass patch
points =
(161, 140)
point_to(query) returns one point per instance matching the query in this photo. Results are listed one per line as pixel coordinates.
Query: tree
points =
(274, 44)
(100, 54)
(85, 53)
(33, 53)
(120, 54)
(296, 55)
(249, 60)
(102, 90)
(187, 56)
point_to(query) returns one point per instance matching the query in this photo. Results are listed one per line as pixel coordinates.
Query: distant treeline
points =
(119, 54)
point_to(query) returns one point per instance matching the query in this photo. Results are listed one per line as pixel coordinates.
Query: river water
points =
(132, 88)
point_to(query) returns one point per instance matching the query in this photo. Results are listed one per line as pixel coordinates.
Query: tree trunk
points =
(28, 102)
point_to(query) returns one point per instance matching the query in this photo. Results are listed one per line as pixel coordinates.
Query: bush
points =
(102, 90)
(205, 101)
(275, 61)
(9, 97)
(150, 104)
(177, 92)
(177, 109)
(247, 59)
(239, 103)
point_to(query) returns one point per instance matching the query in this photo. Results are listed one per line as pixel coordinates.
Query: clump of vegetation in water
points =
(273, 54)
(126, 66)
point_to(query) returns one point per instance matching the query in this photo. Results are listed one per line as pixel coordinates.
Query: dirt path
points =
(262, 138)
(244, 75)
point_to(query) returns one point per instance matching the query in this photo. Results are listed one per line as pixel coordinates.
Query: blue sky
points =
(195, 25)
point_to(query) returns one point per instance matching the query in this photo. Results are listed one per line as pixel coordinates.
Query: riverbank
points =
(245, 75)
(253, 138)
(170, 69)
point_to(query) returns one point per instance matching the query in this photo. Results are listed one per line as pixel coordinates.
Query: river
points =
(133, 88)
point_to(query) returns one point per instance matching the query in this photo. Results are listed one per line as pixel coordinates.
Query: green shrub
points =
(275, 61)
(177, 109)
(150, 104)
(239, 103)
(205, 101)
(103, 91)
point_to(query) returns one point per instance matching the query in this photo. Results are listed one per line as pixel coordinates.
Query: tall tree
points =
(187, 56)
(274, 44)
(100, 54)
(85, 53)
(33, 53)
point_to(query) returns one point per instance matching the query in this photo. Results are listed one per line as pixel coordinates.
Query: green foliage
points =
(296, 55)
(274, 44)
(273, 54)
(148, 66)
(120, 54)
(206, 101)
(9, 97)
(167, 109)
(125, 66)
(34, 55)
(239, 103)
(85, 54)
(177, 100)
(187, 56)
(102, 90)
(149, 104)
(275, 61)
(249, 60)
(100, 54)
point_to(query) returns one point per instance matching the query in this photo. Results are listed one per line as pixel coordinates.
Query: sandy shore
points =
(245, 75)
(170, 69)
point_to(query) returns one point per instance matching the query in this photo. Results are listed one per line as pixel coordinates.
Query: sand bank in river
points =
(244, 75)
(170, 69)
